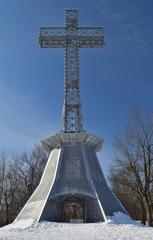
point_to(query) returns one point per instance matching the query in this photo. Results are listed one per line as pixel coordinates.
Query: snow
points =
(121, 218)
(119, 227)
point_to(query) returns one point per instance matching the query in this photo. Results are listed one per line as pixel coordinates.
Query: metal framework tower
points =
(71, 37)
(73, 187)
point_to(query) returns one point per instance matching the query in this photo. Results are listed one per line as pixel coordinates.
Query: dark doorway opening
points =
(73, 210)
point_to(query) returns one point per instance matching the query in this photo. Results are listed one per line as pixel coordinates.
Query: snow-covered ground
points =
(113, 230)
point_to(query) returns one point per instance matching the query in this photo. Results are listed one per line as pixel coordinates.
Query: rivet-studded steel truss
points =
(71, 37)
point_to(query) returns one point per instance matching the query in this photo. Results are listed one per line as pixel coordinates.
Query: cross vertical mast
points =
(72, 117)
(71, 37)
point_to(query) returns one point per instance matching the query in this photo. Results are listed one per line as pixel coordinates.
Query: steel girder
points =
(71, 37)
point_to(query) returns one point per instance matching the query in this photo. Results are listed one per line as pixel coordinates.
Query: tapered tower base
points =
(73, 187)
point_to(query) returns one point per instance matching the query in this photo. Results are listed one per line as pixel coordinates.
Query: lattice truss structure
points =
(71, 37)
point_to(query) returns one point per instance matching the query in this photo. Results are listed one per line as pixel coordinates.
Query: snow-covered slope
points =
(113, 230)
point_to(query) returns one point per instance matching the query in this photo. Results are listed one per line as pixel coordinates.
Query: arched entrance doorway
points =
(73, 210)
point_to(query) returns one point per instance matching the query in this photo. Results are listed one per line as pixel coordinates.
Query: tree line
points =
(19, 176)
(131, 174)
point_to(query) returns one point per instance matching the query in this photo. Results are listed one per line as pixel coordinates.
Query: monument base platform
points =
(73, 186)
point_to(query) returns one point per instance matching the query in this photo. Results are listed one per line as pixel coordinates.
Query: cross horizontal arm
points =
(52, 31)
(90, 37)
(90, 31)
(53, 37)
(85, 37)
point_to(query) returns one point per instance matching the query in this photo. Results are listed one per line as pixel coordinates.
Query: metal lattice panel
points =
(71, 37)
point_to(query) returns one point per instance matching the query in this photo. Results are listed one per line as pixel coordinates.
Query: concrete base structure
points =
(73, 187)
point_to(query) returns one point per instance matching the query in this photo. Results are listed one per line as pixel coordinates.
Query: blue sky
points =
(113, 79)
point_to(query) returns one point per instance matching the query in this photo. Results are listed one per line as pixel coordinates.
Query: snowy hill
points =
(113, 230)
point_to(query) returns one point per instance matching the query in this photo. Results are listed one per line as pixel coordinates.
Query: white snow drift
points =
(119, 227)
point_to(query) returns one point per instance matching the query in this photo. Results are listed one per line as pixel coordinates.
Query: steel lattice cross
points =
(71, 37)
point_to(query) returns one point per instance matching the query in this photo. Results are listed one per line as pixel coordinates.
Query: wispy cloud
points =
(129, 25)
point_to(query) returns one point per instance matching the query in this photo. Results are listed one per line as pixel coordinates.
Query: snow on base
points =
(121, 218)
(21, 224)
(119, 227)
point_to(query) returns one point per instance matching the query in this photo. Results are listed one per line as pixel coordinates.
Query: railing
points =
(80, 31)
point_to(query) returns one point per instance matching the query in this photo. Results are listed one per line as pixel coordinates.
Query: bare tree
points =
(128, 195)
(3, 166)
(134, 166)
(19, 176)
(3, 177)
(30, 166)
